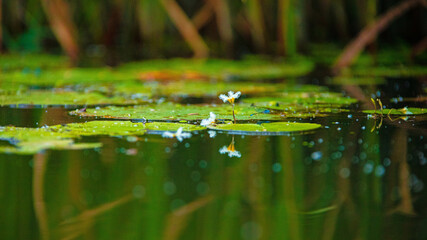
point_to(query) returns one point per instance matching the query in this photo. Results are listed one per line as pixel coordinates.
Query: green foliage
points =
(31, 62)
(177, 112)
(275, 128)
(49, 98)
(251, 68)
(401, 112)
(298, 101)
(61, 77)
(121, 128)
(34, 140)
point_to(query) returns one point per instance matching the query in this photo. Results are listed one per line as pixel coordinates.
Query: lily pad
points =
(306, 100)
(251, 68)
(49, 98)
(401, 112)
(121, 128)
(34, 140)
(178, 112)
(209, 89)
(61, 77)
(165, 126)
(276, 128)
(109, 128)
(31, 62)
(390, 71)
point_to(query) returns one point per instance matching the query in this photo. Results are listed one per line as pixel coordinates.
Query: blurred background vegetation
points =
(117, 30)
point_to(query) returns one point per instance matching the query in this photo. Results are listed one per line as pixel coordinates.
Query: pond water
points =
(358, 176)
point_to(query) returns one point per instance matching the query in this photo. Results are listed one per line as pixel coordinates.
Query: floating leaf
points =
(255, 68)
(209, 89)
(178, 112)
(61, 77)
(326, 98)
(164, 126)
(31, 62)
(49, 98)
(109, 128)
(402, 111)
(300, 103)
(34, 140)
(275, 128)
(390, 71)
(121, 128)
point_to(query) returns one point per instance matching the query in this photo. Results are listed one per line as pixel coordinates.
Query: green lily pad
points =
(209, 89)
(34, 140)
(178, 112)
(95, 128)
(401, 112)
(305, 100)
(61, 77)
(48, 98)
(390, 71)
(165, 126)
(275, 128)
(29, 62)
(121, 128)
(251, 68)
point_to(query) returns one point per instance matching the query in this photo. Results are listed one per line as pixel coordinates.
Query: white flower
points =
(231, 96)
(212, 134)
(230, 150)
(179, 134)
(209, 121)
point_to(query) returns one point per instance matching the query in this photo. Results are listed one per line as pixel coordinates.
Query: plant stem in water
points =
(234, 116)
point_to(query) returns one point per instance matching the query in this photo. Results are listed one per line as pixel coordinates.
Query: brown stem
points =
(234, 116)
(369, 33)
(59, 15)
(39, 203)
(186, 28)
(202, 17)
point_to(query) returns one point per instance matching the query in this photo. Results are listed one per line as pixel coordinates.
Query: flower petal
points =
(168, 135)
(223, 97)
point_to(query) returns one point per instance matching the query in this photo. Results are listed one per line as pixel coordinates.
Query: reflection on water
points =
(339, 182)
(230, 150)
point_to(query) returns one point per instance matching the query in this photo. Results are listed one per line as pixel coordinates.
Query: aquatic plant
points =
(230, 150)
(402, 113)
(180, 135)
(209, 121)
(275, 128)
(230, 98)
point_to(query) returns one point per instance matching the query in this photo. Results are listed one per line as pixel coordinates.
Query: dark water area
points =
(346, 180)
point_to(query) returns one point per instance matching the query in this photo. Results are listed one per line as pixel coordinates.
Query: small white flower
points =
(231, 97)
(179, 134)
(212, 134)
(230, 150)
(209, 121)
